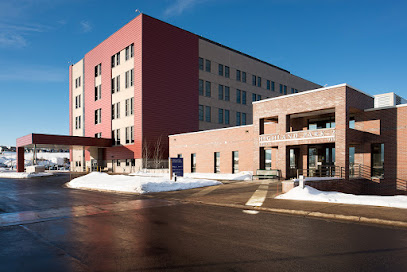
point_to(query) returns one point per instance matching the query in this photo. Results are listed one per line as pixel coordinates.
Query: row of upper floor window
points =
(205, 89)
(128, 108)
(205, 114)
(77, 82)
(128, 81)
(129, 135)
(129, 53)
(223, 70)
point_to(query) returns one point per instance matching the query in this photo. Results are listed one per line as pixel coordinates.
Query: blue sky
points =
(362, 43)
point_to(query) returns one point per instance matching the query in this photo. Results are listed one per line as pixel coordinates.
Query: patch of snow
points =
(136, 184)
(244, 175)
(22, 175)
(317, 178)
(9, 158)
(312, 194)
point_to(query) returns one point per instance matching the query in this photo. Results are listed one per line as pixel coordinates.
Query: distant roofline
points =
(210, 130)
(312, 91)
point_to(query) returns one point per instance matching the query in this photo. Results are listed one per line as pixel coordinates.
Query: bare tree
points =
(146, 153)
(157, 153)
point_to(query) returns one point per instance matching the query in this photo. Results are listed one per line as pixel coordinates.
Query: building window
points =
(227, 71)
(208, 89)
(133, 162)
(244, 97)
(281, 88)
(267, 159)
(201, 87)
(268, 85)
(207, 114)
(220, 92)
(235, 162)
(352, 123)
(113, 84)
(132, 134)
(296, 91)
(77, 101)
(179, 155)
(116, 111)
(98, 135)
(127, 162)
(113, 61)
(227, 122)
(208, 66)
(98, 92)
(216, 162)
(258, 97)
(98, 116)
(201, 112)
(285, 89)
(116, 136)
(254, 80)
(220, 116)
(227, 93)
(127, 107)
(201, 64)
(78, 122)
(238, 96)
(129, 75)
(193, 163)
(127, 53)
(243, 118)
(254, 97)
(273, 86)
(118, 83)
(378, 160)
(131, 50)
(77, 82)
(113, 111)
(244, 77)
(258, 81)
(292, 90)
(127, 135)
(238, 75)
(220, 70)
(98, 70)
(118, 163)
(237, 118)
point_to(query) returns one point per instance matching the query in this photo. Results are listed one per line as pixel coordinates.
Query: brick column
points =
(341, 139)
(20, 159)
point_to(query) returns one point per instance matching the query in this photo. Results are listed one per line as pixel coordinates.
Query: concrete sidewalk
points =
(237, 194)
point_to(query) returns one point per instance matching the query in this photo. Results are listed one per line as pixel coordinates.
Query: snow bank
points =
(22, 175)
(245, 175)
(312, 194)
(136, 184)
(9, 158)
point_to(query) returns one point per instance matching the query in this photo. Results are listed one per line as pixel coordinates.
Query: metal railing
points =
(322, 171)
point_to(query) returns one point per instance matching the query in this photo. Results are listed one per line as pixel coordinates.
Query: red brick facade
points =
(281, 124)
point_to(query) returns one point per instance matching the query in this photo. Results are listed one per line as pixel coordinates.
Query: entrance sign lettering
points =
(177, 166)
(328, 134)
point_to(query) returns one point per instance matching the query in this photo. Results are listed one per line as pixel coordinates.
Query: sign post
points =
(176, 167)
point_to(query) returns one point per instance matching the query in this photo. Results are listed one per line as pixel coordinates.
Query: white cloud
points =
(179, 6)
(86, 26)
(12, 40)
(22, 72)
(14, 35)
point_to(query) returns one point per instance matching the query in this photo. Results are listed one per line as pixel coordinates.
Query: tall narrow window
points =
(253, 97)
(127, 107)
(292, 90)
(268, 85)
(273, 86)
(113, 111)
(132, 50)
(227, 93)
(227, 114)
(258, 81)
(216, 162)
(207, 114)
(220, 72)
(118, 58)
(253, 80)
(244, 97)
(113, 84)
(238, 75)
(285, 89)
(201, 87)
(131, 77)
(220, 92)
(132, 106)
(126, 79)
(235, 162)
(118, 83)
(238, 96)
(244, 77)
(208, 89)
(132, 134)
(127, 135)
(193, 163)
(220, 116)
(201, 65)
(237, 118)
(118, 136)
(113, 61)
(201, 112)
(127, 54)
(227, 71)
(118, 110)
(378, 160)
(281, 88)
(243, 118)
(208, 66)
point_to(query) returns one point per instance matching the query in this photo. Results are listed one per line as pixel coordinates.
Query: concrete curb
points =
(351, 218)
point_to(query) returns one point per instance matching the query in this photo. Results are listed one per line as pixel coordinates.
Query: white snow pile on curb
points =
(23, 175)
(136, 184)
(244, 175)
(312, 194)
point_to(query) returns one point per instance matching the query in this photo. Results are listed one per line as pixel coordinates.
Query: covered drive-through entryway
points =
(55, 141)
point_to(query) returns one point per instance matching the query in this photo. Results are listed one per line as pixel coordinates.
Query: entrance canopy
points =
(55, 141)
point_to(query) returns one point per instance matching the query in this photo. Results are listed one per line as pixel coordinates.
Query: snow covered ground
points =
(245, 175)
(23, 175)
(317, 178)
(137, 184)
(312, 194)
(9, 158)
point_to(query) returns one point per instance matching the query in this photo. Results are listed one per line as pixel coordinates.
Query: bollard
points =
(301, 182)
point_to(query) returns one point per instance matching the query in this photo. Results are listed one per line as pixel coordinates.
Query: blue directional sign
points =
(178, 166)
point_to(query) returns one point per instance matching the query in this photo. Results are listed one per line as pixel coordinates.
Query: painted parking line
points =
(259, 195)
(19, 218)
(203, 192)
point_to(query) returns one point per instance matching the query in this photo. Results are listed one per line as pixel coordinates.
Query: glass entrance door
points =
(321, 160)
